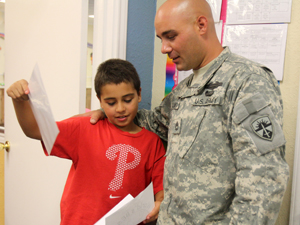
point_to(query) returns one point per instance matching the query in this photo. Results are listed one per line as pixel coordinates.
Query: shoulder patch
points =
(263, 128)
(255, 116)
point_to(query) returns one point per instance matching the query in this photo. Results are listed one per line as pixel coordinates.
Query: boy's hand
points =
(18, 91)
(153, 215)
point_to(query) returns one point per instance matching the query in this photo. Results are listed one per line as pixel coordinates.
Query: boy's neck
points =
(132, 129)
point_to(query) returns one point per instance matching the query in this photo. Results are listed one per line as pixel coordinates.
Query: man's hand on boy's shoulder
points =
(19, 90)
(95, 115)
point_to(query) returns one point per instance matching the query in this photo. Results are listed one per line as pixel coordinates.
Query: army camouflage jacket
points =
(225, 156)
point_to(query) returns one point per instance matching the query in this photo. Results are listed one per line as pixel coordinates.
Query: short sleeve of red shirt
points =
(67, 140)
(158, 165)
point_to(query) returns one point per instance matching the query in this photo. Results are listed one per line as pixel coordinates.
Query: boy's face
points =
(120, 104)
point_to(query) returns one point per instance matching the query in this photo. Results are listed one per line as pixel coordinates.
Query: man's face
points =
(180, 40)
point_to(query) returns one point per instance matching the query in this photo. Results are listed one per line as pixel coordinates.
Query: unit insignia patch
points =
(263, 128)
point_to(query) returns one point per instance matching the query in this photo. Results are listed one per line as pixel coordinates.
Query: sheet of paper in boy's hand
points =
(41, 109)
(124, 201)
(135, 211)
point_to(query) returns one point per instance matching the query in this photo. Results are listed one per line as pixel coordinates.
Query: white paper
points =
(215, 6)
(135, 211)
(262, 43)
(124, 201)
(41, 109)
(258, 11)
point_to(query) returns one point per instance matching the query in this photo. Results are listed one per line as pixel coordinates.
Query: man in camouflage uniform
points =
(225, 157)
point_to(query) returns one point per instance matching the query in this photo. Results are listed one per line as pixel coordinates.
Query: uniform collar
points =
(196, 90)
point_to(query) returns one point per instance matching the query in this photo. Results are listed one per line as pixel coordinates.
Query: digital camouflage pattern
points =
(225, 157)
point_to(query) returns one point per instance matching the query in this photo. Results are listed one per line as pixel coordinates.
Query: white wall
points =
(41, 32)
(290, 89)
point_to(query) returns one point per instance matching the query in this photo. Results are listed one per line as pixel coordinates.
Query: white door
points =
(52, 33)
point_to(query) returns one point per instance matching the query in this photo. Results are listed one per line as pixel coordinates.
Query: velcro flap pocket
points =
(247, 107)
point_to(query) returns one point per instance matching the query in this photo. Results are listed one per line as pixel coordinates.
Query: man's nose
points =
(165, 48)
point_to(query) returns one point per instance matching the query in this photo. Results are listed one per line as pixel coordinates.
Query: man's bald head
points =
(186, 10)
(187, 31)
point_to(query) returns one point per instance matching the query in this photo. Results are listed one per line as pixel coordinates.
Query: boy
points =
(109, 160)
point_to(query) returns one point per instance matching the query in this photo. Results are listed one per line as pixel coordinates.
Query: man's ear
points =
(202, 24)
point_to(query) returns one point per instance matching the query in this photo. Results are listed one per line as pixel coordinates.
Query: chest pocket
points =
(184, 129)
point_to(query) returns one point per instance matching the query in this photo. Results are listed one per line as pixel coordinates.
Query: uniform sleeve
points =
(157, 120)
(158, 167)
(258, 148)
(66, 143)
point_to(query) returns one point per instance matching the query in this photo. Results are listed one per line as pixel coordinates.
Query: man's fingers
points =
(96, 115)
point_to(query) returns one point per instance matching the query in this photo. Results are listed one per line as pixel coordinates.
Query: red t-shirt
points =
(107, 165)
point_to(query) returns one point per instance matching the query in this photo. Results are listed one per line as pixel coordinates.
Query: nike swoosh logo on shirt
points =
(114, 196)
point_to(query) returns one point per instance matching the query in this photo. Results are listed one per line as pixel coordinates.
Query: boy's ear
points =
(140, 95)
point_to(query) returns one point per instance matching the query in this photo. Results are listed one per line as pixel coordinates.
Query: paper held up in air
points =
(41, 109)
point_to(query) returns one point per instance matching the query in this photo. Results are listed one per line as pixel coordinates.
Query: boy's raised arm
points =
(19, 91)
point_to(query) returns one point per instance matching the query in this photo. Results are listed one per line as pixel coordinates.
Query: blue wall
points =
(140, 44)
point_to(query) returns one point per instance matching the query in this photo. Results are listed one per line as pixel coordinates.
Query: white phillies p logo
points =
(111, 154)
